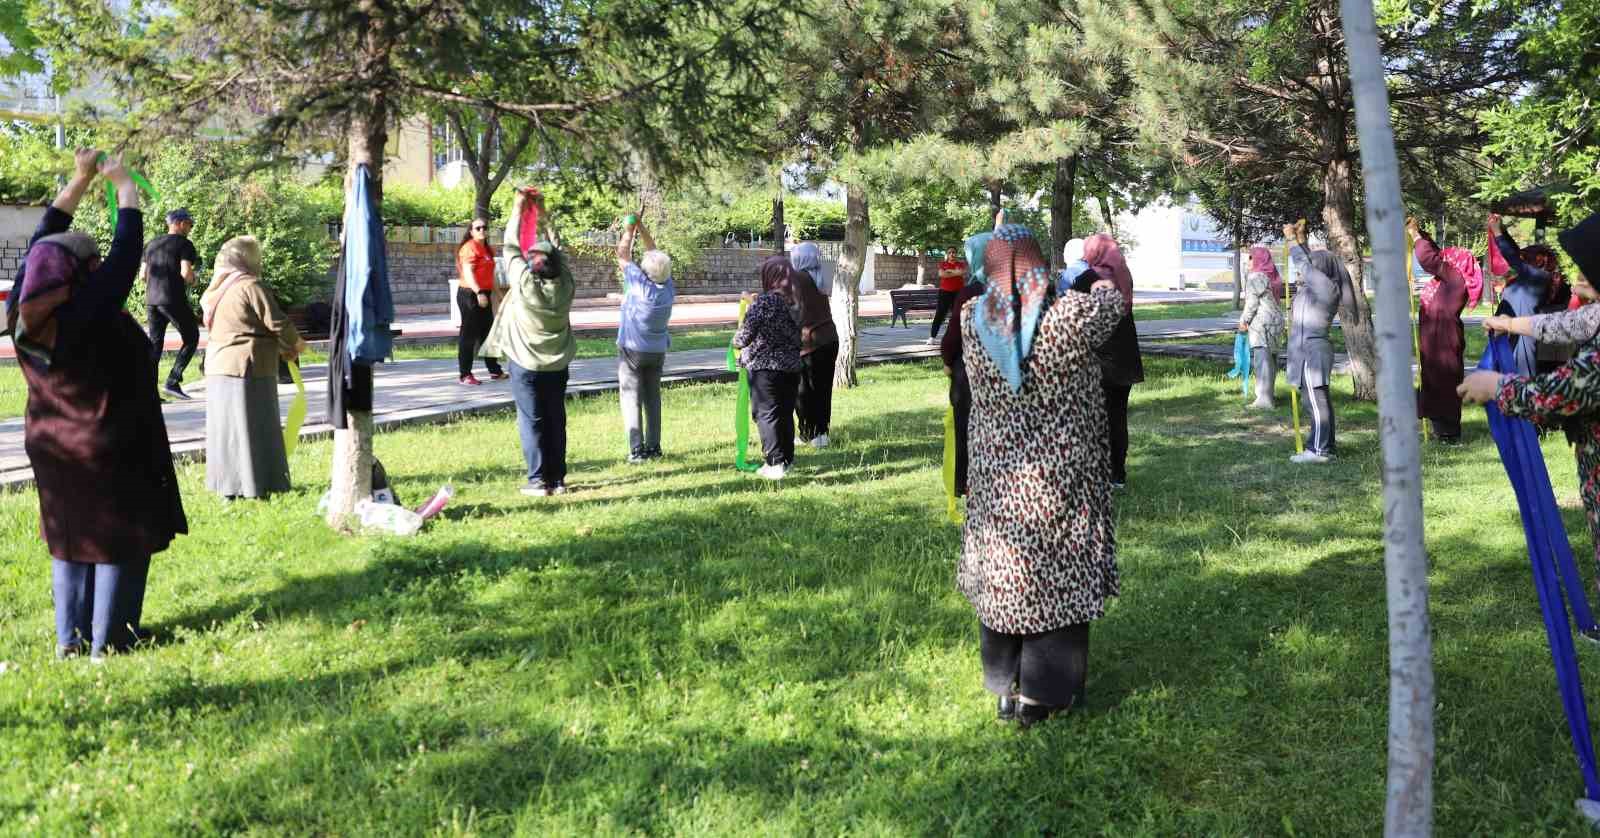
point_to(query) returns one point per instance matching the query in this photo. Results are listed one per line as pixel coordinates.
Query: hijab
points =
(1073, 252)
(807, 257)
(1466, 264)
(239, 260)
(1261, 263)
(53, 266)
(975, 247)
(1019, 294)
(1102, 254)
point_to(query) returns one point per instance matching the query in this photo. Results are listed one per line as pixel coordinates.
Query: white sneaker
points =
(773, 472)
(819, 441)
(933, 341)
(1261, 405)
(1308, 457)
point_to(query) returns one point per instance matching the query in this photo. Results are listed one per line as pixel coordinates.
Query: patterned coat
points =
(1039, 546)
(1262, 312)
(1568, 396)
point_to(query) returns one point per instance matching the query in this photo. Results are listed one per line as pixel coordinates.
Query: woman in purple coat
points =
(108, 494)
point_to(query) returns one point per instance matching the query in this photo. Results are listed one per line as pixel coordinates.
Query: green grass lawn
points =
(678, 648)
(1476, 341)
(1181, 311)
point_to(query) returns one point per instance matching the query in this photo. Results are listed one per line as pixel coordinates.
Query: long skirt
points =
(244, 440)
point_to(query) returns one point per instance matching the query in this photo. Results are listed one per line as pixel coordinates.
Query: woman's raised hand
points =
(111, 169)
(86, 161)
(1495, 226)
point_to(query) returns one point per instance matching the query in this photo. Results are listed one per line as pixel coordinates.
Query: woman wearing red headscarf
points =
(1263, 320)
(1121, 365)
(1038, 557)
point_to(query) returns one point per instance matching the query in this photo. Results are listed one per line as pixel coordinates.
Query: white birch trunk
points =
(1409, 810)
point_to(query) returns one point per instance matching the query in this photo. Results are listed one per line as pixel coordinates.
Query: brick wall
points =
(11, 253)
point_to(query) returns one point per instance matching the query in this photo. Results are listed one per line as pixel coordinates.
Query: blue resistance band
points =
(1547, 550)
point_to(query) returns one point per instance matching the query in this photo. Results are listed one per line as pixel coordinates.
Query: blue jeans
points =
(542, 422)
(98, 603)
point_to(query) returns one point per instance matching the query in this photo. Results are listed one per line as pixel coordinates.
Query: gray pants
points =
(1266, 373)
(639, 374)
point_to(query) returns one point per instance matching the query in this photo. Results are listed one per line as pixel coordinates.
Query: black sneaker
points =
(176, 391)
(653, 454)
(637, 458)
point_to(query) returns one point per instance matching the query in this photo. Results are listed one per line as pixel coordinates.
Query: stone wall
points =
(420, 274)
(11, 253)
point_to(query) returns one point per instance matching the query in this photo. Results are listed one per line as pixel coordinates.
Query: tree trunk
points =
(780, 232)
(483, 189)
(1238, 257)
(1409, 808)
(1355, 316)
(1061, 204)
(847, 285)
(351, 470)
(652, 207)
(1105, 213)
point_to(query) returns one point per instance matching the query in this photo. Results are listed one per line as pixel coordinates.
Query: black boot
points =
(1029, 715)
(1006, 710)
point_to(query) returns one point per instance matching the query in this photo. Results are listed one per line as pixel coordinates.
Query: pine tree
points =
(647, 77)
(1259, 92)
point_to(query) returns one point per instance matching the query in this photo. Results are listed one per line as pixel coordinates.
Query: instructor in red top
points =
(475, 300)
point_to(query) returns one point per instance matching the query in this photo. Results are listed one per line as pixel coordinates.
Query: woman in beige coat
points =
(248, 333)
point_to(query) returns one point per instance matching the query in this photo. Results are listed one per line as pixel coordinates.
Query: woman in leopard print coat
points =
(1039, 553)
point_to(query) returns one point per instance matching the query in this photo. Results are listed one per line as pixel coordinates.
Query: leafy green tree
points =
(866, 74)
(645, 77)
(1257, 92)
(22, 53)
(1550, 133)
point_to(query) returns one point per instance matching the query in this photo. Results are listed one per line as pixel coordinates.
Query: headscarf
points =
(1261, 263)
(1072, 252)
(53, 265)
(1019, 294)
(975, 247)
(777, 278)
(1466, 264)
(1102, 254)
(237, 261)
(807, 257)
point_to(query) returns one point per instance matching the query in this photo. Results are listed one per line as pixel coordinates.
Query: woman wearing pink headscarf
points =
(1263, 320)
(1440, 336)
(1121, 365)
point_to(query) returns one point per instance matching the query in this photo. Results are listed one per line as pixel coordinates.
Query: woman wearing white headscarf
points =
(247, 334)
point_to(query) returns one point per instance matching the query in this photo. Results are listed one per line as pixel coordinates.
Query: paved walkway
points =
(412, 392)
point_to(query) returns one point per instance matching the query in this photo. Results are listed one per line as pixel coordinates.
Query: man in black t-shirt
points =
(169, 264)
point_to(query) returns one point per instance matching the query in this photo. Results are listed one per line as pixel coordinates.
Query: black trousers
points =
(476, 322)
(772, 398)
(1447, 429)
(1117, 425)
(1320, 410)
(1049, 668)
(947, 301)
(814, 408)
(961, 400)
(179, 315)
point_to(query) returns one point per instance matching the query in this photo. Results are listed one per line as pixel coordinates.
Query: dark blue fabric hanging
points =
(1551, 558)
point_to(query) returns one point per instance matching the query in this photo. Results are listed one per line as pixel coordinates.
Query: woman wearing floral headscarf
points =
(1121, 364)
(1038, 555)
(1263, 320)
(95, 437)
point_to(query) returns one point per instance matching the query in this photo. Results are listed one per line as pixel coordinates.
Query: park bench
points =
(907, 300)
